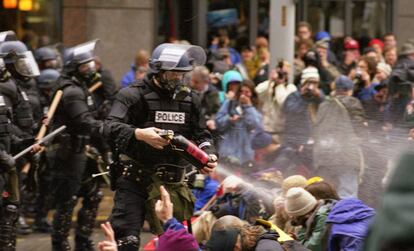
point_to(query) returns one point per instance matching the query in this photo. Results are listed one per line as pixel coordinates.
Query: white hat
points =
(299, 202)
(385, 68)
(309, 72)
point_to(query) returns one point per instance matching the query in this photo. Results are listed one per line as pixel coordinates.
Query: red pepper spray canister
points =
(187, 149)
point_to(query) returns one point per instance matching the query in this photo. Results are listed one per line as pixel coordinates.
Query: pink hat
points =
(351, 44)
(376, 41)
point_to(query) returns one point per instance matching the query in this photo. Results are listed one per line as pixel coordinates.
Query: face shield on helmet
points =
(26, 65)
(171, 62)
(78, 55)
(7, 36)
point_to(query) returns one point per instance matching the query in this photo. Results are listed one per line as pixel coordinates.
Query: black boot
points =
(8, 221)
(62, 221)
(86, 222)
(22, 227)
(128, 243)
(42, 225)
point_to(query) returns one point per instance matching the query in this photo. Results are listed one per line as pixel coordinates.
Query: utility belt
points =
(76, 142)
(135, 171)
(79, 142)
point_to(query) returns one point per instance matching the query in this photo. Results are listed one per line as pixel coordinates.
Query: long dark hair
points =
(249, 84)
(322, 190)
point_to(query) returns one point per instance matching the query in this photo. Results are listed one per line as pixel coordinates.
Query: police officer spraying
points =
(162, 100)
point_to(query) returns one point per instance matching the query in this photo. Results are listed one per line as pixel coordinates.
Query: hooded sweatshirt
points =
(349, 219)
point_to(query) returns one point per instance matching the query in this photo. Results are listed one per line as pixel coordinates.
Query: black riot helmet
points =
(47, 79)
(19, 60)
(5, 36)
(170, 62)
(79, 60)
(47, 58)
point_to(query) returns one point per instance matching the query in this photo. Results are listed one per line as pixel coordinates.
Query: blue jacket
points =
(350, 219)
(128, 77)
(204, 195)
(236, 137)
(298, 123)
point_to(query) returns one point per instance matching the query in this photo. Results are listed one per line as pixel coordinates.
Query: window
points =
(39, 26)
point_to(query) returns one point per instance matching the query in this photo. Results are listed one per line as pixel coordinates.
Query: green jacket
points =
(311, 236)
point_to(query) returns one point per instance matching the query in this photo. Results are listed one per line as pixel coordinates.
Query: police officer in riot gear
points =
(47, 58)
(76, 111)
(19, 65)
(46, 83)
(8, 209)
(160, 101)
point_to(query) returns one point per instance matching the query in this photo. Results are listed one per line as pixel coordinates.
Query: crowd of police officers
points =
(102, 128)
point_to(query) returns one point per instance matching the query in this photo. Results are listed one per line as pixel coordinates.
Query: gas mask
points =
(173, 83)
(87, 71)
(4, 74)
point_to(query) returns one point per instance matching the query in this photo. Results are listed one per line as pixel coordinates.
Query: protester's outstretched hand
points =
(164, 207)
(110, 243)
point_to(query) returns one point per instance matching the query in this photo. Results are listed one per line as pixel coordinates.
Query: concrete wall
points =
(403, 20)
(123, 27)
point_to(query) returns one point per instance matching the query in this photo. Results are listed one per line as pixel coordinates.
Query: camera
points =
(281, 74)
(358, 75)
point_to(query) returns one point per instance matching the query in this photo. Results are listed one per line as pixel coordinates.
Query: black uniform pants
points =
(128, 213)
(67, 181)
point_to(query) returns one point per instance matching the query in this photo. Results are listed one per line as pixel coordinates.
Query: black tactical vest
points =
(166, 113)
(23, 112)
(163, 113)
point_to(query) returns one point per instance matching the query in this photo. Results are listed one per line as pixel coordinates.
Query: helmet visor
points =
(7, 36)
(26, 65)
(172, 54)
(84, 52)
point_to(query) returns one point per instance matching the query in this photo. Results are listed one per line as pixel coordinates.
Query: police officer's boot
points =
(86, 222)
(8, 220)
(61, 225)
(128, 243)
(22, 227)
(41, 223)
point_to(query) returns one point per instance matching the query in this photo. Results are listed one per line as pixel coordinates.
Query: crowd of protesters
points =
(303, 161)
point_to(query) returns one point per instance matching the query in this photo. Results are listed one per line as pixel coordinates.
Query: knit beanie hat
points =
(299, 202)
(177, 240)
(222, 240)
(386, 68)
(344, 83)
(309, 72)
(293, 181)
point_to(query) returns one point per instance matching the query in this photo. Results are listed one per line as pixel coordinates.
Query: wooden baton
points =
(43, 128)
(95, 87)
